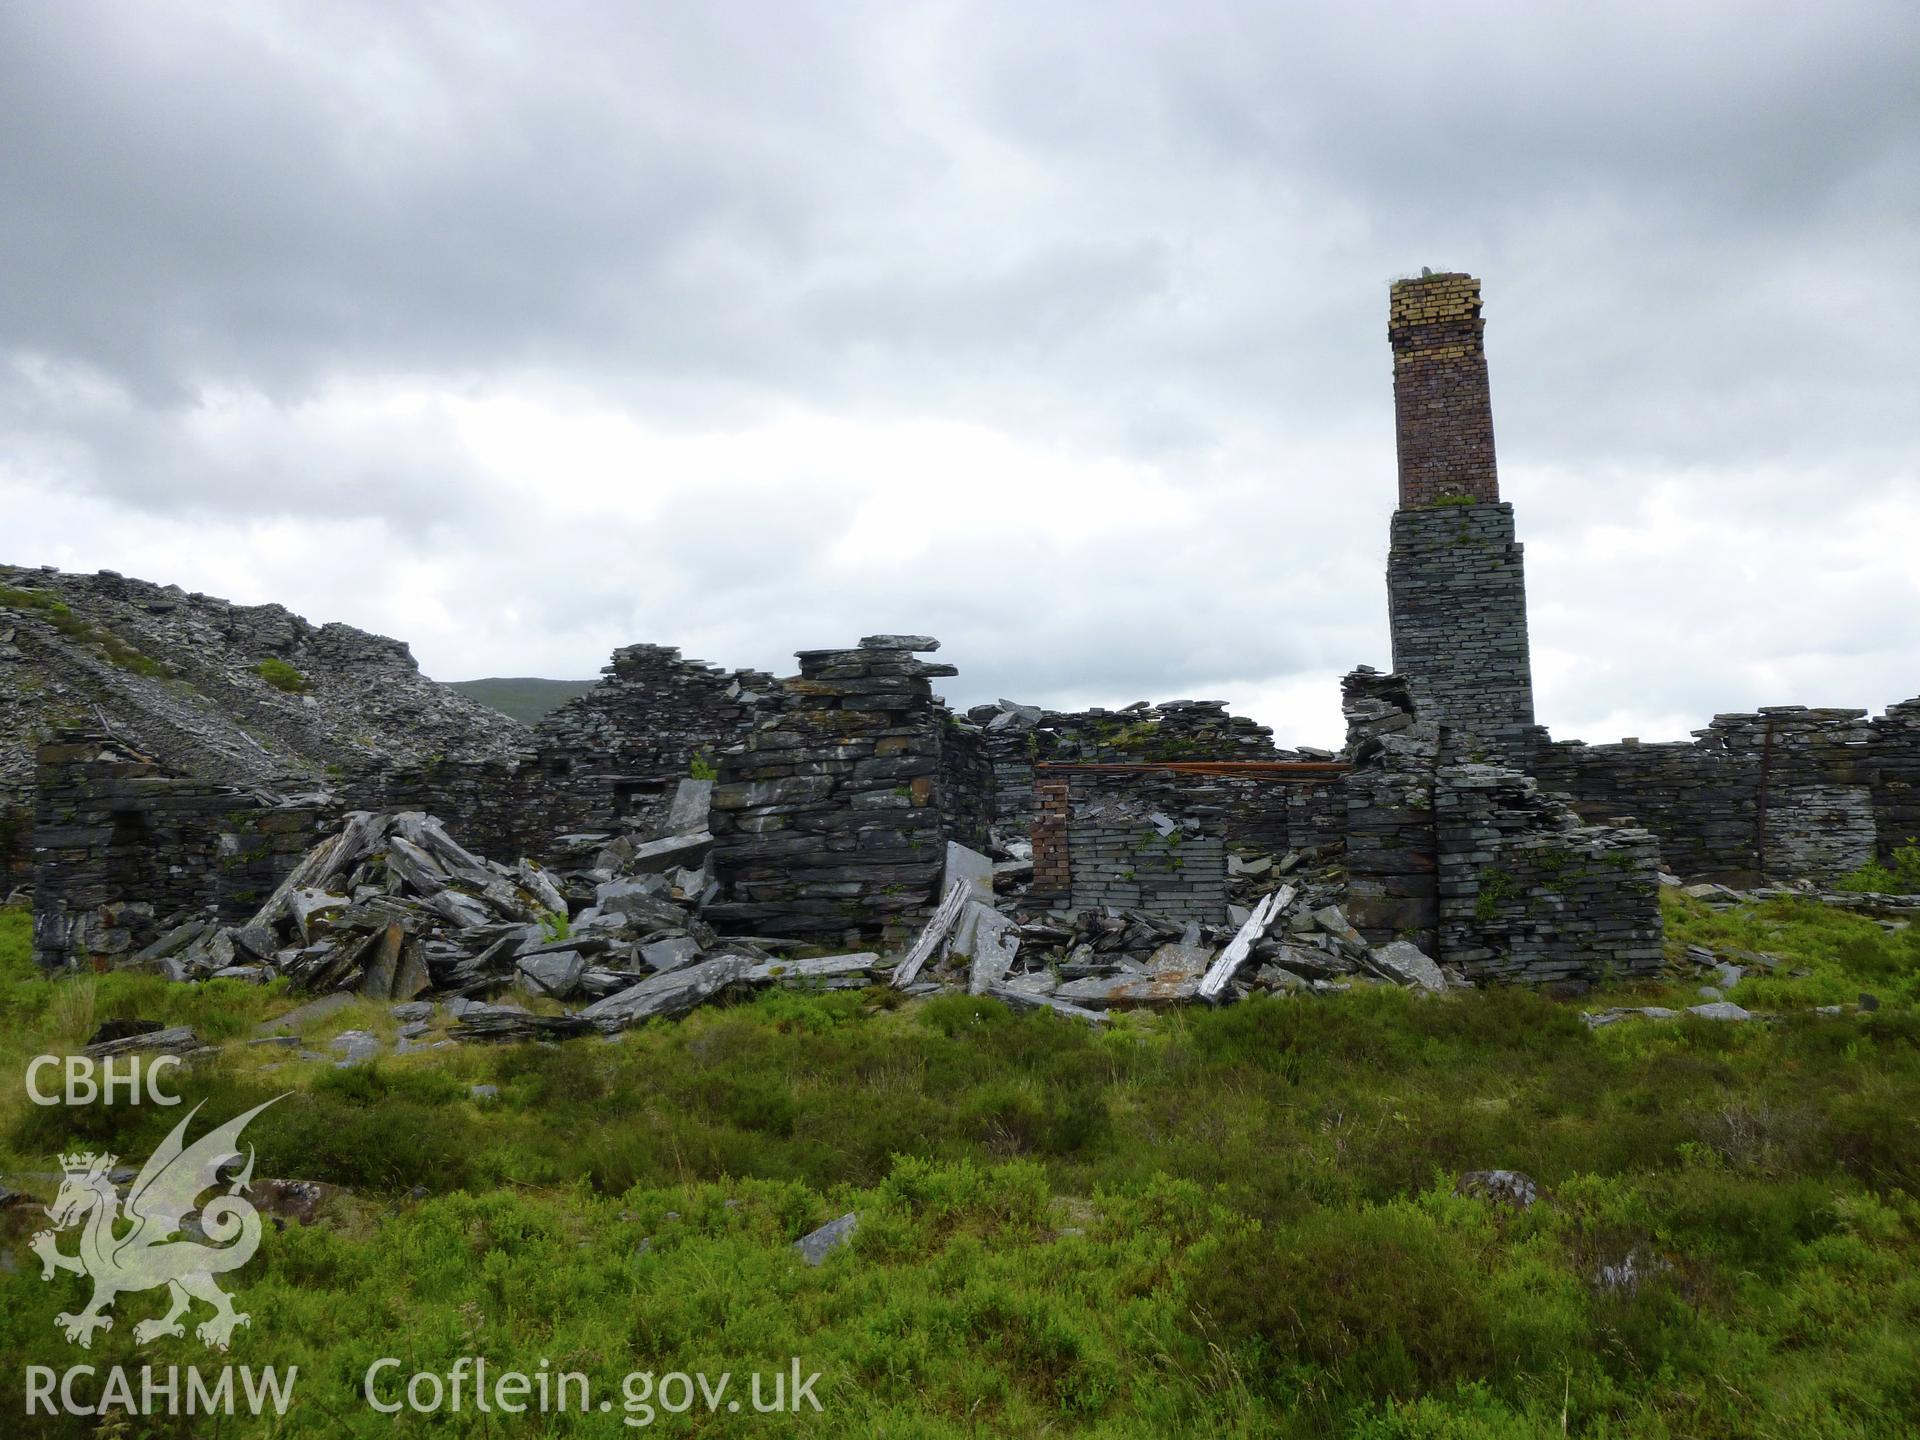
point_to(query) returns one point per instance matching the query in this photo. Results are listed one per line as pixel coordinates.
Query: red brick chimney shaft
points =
(1443, 412)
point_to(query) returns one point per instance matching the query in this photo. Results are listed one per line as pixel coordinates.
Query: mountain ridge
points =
(248, 694)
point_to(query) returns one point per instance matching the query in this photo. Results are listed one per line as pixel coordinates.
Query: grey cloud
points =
(1131, 232)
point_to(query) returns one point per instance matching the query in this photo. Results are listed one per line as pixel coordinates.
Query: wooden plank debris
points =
(942, 920)
(1220, 974)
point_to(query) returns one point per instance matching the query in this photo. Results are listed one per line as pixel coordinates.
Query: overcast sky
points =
(1057, 331)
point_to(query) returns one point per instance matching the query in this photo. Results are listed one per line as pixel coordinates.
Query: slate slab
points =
(673, 993)
(815, 1247)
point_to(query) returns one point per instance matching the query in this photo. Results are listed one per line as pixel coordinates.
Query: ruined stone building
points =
(1455, 819)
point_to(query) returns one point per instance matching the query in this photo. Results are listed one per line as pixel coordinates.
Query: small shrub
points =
(757, 1103)
(12, 599)
(1496, 888)
(1902, 877)
(808, 1010)
(561, 1077)
(376, 1085)
(1377, 1303)
(282, 676)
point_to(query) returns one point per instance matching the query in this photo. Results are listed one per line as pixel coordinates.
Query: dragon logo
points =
(145, 1256)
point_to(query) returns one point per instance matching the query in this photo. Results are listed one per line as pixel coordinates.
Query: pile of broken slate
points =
(392, 907)
(1087, 964)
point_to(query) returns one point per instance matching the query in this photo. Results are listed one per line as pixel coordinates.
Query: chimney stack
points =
(1443, 411)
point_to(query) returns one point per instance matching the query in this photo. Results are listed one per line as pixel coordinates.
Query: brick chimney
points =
(1443, 411)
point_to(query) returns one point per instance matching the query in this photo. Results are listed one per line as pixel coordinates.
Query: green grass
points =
(1844, 954)
(14, 599)
(16, 947)
(1237, 1222)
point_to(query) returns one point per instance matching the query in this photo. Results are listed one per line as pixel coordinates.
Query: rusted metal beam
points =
(1253, 769)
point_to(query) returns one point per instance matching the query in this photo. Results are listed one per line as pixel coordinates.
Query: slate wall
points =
(1122, 852)
(1480, 868)
(1787, 792)
(1896, 771)
(830, 817)
(1013, 752)
(1527, 894)
(645, 724)
(1317, 816)
(1457, 604)
(1391, 850)
(968, 783)
(503, 809)
(123, 847)
(1251, 814)
(16, 843)
(601, 760)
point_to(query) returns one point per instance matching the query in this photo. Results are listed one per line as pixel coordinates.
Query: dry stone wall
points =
(652, 716)
(1896, 772)
(1253, 814)
(1529, 894)
(968, 783)
(500, 807)
(604, 761)
(16, 842)
(1172, 730)
(1317, 817)
(1457, 602)
(830, 817)
(1392, 865)
(1503, 882)
(1146, 842)
(1787, 792)
(124, 847)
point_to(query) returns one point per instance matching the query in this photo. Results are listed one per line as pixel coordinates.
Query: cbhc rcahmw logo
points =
(83, 1079)
(146, 1256)
(146, 1235)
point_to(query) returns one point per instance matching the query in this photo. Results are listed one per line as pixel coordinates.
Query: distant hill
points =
(526, 699)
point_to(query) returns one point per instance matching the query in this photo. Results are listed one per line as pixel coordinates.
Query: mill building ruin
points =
(1450, 818)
